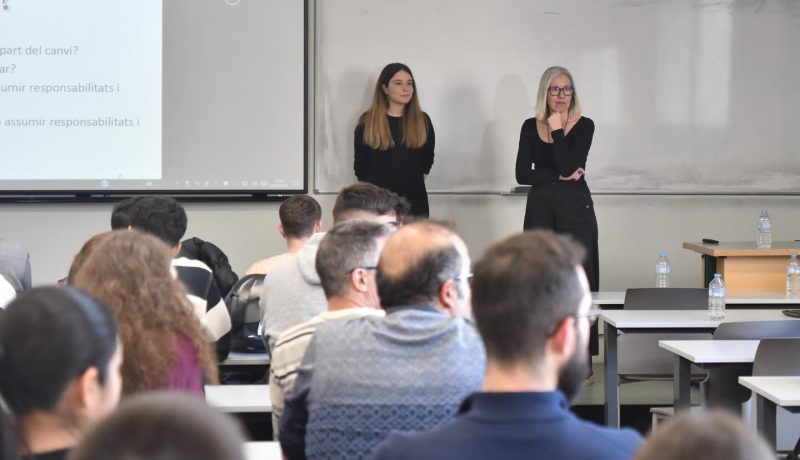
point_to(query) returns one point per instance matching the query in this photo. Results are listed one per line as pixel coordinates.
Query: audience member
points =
(166, 219)
(163, 426)
(131, 272)
(15, 265)
(531, 303)
(407, 371)
(292, 293)
(300, 217)
(715, 435)
(346, 262)
(120, 219)
(59, 371)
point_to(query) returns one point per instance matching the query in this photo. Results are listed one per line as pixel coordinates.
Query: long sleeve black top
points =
(400, 168)
(561, 158)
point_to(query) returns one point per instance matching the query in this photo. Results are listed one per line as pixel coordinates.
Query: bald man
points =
(407, 371)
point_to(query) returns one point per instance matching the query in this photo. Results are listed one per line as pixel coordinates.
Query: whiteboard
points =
(688, 96)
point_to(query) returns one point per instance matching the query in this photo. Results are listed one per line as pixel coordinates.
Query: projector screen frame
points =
(100, 195)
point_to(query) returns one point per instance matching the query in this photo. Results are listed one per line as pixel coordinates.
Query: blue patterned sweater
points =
(361, 379)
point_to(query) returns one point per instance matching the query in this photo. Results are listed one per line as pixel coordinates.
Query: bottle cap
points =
(717, 275)
(663, 254)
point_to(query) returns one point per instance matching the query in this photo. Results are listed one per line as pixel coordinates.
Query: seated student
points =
(165, 218)
(163, 426)
(131, 272)
(59, 371)
(531, 303)
(300, 217)
(119, 213)
(292, 293)
(15, 265)
(346, 262)
(715, 435)
(407, 371)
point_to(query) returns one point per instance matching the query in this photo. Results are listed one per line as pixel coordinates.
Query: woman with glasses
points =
(553, 148)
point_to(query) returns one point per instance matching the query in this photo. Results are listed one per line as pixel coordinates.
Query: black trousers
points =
(566, 207)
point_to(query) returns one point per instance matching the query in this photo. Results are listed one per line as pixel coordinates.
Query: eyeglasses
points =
(591, 315)
(370, 267)
(555, 90)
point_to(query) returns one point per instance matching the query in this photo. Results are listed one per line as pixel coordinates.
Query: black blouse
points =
(560, 158)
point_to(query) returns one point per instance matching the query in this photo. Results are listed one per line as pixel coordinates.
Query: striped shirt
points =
(288, 354)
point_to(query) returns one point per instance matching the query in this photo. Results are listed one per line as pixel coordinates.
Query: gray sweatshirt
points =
(292, 293)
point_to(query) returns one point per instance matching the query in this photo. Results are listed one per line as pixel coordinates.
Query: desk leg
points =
(611, 377)
(680, 383)
(766, 420)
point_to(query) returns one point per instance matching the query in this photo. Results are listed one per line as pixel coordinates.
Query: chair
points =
(640, 357)
(722, 388)
(779, 357)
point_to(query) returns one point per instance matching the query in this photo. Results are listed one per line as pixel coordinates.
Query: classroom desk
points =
(239, 398)
(262, 450)
(705, 353)
(772, 392)
(660, 321)
(733, 298)
(246, 359)
(743, 266)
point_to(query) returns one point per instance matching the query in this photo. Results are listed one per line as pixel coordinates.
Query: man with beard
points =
(532, 305)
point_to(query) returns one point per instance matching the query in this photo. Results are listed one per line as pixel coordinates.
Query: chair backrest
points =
(722, 389)
(754, 330)
(666, 299)
(242, 301)
(777, 356)
(639, 355)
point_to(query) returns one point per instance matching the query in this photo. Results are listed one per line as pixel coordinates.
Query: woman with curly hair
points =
(163, 341)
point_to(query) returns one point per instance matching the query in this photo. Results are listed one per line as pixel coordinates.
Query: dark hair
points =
(363, 196)
(163, 425)
(119, 214)
(160, 216)
(522, 287)
(347, 246)
(419, 281)
(48, 337)
(299, 215)
(712, 435)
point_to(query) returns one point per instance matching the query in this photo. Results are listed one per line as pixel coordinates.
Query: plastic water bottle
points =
(716, 298)
(793, 277)
(662, 271)
(764, 237)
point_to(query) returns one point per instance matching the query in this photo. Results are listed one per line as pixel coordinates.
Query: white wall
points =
(633, 229)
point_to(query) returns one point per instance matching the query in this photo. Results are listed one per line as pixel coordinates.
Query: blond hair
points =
(542, 111)
(376, 128)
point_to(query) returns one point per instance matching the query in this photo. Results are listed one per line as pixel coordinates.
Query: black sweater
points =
(400, 168)
(561, 158)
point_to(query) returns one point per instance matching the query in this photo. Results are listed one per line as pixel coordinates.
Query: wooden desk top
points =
(743, 248)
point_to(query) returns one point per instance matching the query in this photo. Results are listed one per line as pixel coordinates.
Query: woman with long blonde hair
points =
(164, 348)
(394, 139)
